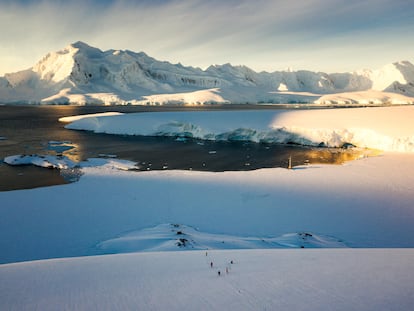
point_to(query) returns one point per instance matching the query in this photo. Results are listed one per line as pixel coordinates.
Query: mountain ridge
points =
(82, 74)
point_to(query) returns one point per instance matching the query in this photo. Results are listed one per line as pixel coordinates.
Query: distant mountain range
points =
(81, 74)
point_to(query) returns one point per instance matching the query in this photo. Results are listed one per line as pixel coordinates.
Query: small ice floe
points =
(71, 174)
(181, 139)
(46, 161)
(123, 165)
(212, 152)
(104, 155)
(60, 146)
(58, 142)
(85, 116)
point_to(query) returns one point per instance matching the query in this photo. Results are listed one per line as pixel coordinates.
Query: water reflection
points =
(64, 148)
(336, 155)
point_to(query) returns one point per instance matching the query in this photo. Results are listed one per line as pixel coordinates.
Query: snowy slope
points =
(286, 280)
(396, 77)
(369, 97)
(83, 74)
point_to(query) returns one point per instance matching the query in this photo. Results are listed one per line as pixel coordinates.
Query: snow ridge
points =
(175, 237)
(81, 74)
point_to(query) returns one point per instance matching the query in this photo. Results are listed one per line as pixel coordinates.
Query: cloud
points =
(264, 34)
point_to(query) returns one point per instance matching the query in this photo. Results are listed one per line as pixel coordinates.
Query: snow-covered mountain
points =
(83, 74)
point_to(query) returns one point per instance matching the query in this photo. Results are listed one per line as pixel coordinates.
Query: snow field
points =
(346, 279)
(365, 98)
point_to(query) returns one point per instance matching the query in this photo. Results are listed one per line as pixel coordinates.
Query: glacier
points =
(382, 128)
(81, 74)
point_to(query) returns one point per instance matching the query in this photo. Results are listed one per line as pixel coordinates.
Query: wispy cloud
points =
(264, 34)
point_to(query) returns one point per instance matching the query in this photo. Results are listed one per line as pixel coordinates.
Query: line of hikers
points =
(218, 271)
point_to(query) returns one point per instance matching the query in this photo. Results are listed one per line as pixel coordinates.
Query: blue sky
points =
(325, 35)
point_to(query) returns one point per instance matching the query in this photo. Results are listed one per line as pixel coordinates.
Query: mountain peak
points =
(83, 48)
(403, 63)
(81, 45)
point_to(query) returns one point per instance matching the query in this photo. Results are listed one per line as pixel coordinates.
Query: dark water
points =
(30, 129)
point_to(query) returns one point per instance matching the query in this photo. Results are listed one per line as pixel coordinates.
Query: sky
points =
(318, 35)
